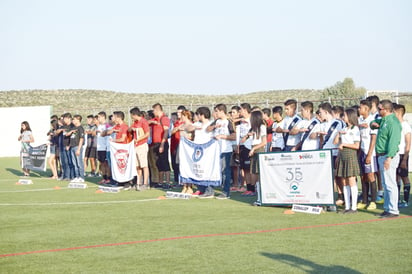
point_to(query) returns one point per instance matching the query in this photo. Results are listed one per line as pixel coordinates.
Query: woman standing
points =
(348, 165)
(54, 147)
(26, 137)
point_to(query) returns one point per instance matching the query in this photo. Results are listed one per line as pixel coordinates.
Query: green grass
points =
(363, 247)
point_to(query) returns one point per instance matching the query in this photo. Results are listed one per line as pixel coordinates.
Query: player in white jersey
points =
(306, 126)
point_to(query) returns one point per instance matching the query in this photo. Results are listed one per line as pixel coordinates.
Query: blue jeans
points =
(78, 165)
(67, 164)
(390, 187)
(226, 171)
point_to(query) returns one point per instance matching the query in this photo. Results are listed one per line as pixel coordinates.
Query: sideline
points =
(42, 189)
(81, 203)
(199, 236)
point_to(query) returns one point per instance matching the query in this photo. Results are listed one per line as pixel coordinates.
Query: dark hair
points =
(90, 116)
(54, 124)
(326, 107)
(102, 113)
(401, 108)
(67, 115)
(307, 105)
(366, 103)
(256, 120)
(291, 102)
(373, 99)
(352, 116)
(246, 106)
(277, 109)
(78, 117)
(54, 117)
(338, 110)
(27, 126)
(221, 107)
(135, 111)
(119, 114)
(266, 111)
(236, 107)
(205, 111)
(181, 108)
(158, 105)
(150, 114)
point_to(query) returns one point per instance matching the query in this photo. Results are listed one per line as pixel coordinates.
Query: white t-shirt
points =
(406, 128)
(350, 135)
(255, 140)
(277, 138)
(292, 140)
(309, 144)
(244, 128)
(325, 128)
(101, 141)
(201, 135)
(366, 133)
(224, 127)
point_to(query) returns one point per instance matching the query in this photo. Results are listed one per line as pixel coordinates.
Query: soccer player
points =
(290, 137)
(76, 148)
(91, 147)
(306, 126)
(278, 143)
(102, 147)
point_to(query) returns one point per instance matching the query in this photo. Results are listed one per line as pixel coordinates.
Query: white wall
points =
(38, 118)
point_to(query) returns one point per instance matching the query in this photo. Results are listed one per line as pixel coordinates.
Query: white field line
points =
(80, 203)
(41, 189)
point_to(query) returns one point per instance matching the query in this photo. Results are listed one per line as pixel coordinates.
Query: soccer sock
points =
(105, 177)
(340, 196)
(354, 193)
(346, 195)
(365, 192)
(399, 190)
(406, 191)
(373, 191)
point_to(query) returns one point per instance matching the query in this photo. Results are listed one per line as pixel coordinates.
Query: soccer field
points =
(48, 228)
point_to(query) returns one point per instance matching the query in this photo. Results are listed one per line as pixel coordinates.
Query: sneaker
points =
(222, 197)
(389, 215)
(246, 193)
(103, 181)
(382, 214)
(380, 200)
(234, 189)
(127, 187)
(206, 196)
(403, 205)
(143, 188)
(361, 206)
(242, 189)
(197, 193)
(371, 206)
(331, 209)
(75, 180)
(166, 186)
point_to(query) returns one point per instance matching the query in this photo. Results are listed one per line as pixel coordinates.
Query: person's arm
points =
(164, 138)
(256, 147)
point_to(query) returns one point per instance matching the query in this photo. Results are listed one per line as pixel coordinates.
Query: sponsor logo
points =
(285, 157)
(305, 156)
(322, 155)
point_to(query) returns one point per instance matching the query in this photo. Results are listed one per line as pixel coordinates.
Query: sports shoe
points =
(371, 206)
(361, 206)
(390, 215)
(127, 187)
(246, 193)
(380, 200)
(142, 188)
(103, 181)
(242, 189)
(197, 193)
(234, 189)
(222, 197)
(75, 180)
(206, 196)
(80, 179)
(403, 205)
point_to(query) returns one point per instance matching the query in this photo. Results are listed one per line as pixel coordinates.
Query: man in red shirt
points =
(141, 132)
(174, 143)
(160, 134)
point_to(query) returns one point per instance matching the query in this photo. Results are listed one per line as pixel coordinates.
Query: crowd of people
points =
(369, 141)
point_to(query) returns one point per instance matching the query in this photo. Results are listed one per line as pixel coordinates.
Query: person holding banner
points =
(348, 164)
(26, 137)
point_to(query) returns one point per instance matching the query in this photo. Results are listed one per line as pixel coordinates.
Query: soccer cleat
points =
(380, 200)
(403, 205)
(389, 215)
(371, 206)
(197, 193)
(361, 206)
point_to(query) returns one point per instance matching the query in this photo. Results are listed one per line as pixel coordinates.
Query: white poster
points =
(301, 177)
(123, 161)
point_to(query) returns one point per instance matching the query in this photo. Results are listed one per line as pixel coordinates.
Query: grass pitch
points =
(78, 230)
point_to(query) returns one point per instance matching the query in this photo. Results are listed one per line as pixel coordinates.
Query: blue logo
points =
(197, 154)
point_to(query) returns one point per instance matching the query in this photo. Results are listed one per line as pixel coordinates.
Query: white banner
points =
(123, 161)
(302, 177)
(199, 163)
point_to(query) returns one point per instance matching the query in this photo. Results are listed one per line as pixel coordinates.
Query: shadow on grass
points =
(19, 173)
(306, 265)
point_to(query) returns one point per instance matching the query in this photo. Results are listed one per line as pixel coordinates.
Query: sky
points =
(204, 47)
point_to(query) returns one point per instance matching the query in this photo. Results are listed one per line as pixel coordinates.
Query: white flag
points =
(123, 161)
(199, 163)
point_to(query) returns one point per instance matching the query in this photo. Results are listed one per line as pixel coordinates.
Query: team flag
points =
(123, 159)
(199, 163)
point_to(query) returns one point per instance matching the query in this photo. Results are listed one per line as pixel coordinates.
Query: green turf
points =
(45, 219)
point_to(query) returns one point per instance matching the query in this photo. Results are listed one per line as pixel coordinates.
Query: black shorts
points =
(162, 161)
(90, 152)
(402, 172)
(244, 158)
(101, 156)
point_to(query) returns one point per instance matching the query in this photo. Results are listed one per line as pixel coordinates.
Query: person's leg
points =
(75, 161)
(346, 192)
(226, 172)
(353, 191)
